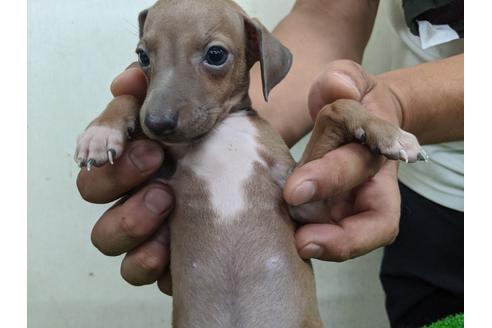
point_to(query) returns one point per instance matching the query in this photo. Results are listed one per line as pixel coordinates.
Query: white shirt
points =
(440, 180)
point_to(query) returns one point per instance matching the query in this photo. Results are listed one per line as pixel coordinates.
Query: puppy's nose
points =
(160, 124)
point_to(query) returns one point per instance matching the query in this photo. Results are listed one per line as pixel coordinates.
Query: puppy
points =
(234, 263)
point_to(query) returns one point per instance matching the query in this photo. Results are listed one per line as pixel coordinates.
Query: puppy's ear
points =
(275, 59)
(141, 21)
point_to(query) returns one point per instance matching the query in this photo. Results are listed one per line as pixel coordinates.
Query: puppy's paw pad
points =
(399, 144)
(99, 145)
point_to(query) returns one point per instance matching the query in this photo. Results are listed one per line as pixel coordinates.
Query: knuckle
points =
(131, 228)
(342, 253)
(338, 181)
(148, 263)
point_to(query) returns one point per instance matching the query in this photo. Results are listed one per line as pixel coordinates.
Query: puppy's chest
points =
(216, 174)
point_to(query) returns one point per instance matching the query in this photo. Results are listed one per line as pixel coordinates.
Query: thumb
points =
(338, 171)
(341, 79)
(131, 82)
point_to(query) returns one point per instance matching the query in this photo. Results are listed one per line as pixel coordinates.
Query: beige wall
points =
(76, 47)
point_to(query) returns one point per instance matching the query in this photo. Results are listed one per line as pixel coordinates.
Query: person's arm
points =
(431, 97)
(317, 32)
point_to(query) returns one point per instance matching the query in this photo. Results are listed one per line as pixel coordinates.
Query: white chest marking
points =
(225, 161)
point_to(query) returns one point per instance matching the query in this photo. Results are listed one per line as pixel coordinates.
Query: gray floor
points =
(75, 49)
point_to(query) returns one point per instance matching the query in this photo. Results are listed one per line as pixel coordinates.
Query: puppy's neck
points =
(178, 150)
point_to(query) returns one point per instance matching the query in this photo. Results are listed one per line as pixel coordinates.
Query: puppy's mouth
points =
(192, 135)
(173, 141)
(189, 131)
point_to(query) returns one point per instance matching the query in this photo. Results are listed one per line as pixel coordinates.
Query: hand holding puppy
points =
(361, 199)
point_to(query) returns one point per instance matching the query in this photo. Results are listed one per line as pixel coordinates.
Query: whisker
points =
(131, 27)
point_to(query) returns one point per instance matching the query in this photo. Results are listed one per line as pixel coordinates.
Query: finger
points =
(358, 234)
(336, 172)
(147, 263)
(329, 210)
(165, 283)
(131, 82)
(353, 237)
(342, 79)
(137, 164)
(129, 224)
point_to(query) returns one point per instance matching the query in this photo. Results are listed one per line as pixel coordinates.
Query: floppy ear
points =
(275, 59)
(141, 21)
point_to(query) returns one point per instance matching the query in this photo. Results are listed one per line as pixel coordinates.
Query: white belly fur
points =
(225, 161)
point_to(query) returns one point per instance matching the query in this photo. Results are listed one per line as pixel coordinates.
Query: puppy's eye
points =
(216, 56)
(143, 58)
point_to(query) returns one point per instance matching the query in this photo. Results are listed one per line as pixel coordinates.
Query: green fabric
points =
(454, 321)
(436, 12)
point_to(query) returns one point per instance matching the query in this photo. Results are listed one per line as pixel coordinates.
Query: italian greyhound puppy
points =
(234, 263)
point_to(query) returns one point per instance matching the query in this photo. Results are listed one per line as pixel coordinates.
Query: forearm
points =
(431, 96)
(317, 32)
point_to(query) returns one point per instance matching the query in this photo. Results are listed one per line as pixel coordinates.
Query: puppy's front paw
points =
(98, 145)
(392, 142)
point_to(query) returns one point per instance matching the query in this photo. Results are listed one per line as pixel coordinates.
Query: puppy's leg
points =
(347, 121)
(104, 139)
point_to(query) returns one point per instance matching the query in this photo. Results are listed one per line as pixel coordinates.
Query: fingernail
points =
(158, 201)
(349, 82)
(147, 156)
(310, 251)
(303, 193)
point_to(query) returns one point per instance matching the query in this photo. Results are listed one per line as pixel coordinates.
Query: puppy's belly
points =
(245, 274)
(241, 271)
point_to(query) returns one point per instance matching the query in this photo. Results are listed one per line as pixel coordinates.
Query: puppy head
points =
(197, 55)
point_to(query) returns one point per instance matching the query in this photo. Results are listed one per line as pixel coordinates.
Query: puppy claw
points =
(90, 163)
(99, 145)
(111, 155)
(403, 156)
(129, 132)
(422, 156)
(81, 163)
(361, 135)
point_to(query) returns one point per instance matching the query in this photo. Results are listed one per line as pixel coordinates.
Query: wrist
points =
(397, 94)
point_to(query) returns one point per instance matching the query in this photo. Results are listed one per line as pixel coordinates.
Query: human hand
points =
(135, 225)
(361, 199)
